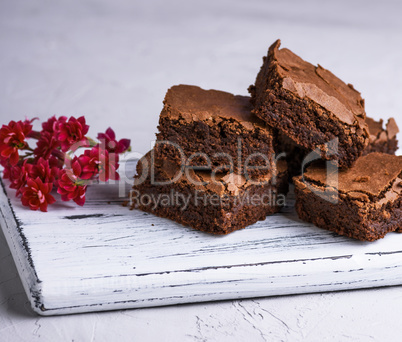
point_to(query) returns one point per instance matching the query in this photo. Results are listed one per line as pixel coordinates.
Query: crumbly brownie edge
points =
(215, 137)
(364, 222)
(389, 147)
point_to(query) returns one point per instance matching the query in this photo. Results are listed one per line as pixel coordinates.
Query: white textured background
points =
(112, 61)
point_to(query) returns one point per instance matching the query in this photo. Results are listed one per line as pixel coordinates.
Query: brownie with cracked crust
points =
(363, 202)
(213, 129)
(382, 140)
(213, 203)
(310, 105)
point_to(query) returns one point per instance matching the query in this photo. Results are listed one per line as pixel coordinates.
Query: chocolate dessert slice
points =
(310, 105)
(215, 130)
(213, 203)
(364, 202)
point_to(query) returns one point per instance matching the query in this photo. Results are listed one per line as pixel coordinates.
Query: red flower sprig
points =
(35, 172)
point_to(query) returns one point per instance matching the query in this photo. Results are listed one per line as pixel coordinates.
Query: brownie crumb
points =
(382, 139)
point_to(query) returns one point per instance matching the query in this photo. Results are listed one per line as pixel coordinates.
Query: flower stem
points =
(34, 135)
(58, 154)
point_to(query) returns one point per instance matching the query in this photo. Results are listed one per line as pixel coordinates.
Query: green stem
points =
(92, 142)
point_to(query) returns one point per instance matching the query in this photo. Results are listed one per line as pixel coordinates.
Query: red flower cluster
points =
(34, 173)
(12, 139)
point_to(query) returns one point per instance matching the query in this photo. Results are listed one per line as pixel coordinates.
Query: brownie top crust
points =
(318, 84)
(220, 183)
(376, 175)
(193, 103)
(377, 132)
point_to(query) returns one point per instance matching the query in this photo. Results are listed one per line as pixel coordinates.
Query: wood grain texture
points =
(104, 256)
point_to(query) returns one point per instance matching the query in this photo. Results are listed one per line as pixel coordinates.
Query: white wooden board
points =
(103, 256)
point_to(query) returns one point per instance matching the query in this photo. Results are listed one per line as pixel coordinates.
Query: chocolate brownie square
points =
(213, 129)
(213, 203)
(310, 105)
(382, 140)
(364, 202)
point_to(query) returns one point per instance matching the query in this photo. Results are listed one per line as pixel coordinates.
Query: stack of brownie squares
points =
(212, 166)
(222, 162)
(347, 178)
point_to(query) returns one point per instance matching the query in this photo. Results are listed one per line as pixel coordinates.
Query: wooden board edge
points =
(318, 278)
(18, 244)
